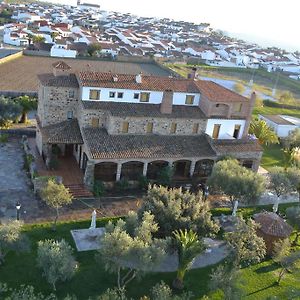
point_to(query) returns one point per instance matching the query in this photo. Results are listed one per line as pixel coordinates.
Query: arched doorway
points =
(182, 168)
(132, 170)
(155, 167)
(203, 168)
(105, 171)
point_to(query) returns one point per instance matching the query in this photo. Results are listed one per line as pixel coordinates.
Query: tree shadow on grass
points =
(262, 289)
(265, 269)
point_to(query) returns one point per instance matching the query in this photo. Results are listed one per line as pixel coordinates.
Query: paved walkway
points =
(14, 182)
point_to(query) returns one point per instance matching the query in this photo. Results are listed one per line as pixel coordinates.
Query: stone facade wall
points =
(55, 102)
(160, 125)
(86, 116)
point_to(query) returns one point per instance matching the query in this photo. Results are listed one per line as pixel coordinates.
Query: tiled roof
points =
(59, 81)
(278, 119)
(217, 93)
(144, 110)
(127, 146)
(236, 146)
(66, 132)
(61, 65)
(127, 81)
(271, 224)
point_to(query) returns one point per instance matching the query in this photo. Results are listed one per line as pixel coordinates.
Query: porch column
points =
(119, 169)
(192, 168)
(145, 168)
(89, 174)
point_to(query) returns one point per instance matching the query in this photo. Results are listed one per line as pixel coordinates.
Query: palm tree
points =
(27, 104)
(263, 132)
(188, 247)
(54, 35)
(38, 39)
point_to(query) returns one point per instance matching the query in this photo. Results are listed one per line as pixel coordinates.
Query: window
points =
(216, 131)
(125, 127)
(237, 107)
(149, 128)
(236, 131)
(136, 96)
(94, 94)
(195, 128)
(69, 115)
(189, 99)
(173, 128)
(248, 164)
(112, 94)
(120, 95)
(71, 94)
(217, 105)
(95, 122)
(144, 97)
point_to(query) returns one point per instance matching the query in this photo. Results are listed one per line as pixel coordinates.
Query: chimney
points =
(167, 102)
(138, 78)
(193, 74)
(248, 119)
(115, 78)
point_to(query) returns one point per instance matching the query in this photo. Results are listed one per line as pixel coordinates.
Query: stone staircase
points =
(79, 191)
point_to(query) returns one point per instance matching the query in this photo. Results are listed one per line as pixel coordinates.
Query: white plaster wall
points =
(284, 130)
(227, 127)
(55, 52)
(155, 96)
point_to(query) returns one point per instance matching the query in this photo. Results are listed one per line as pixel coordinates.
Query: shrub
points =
(53, 163)
(143, 182)
(4, 138)
(98, 188)
(165, 176)
(122, 185)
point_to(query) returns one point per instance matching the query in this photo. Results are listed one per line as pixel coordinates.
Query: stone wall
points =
(160, 125)
(55, 102)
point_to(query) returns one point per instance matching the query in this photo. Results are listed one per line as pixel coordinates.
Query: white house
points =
(283, 125)
(58, 50)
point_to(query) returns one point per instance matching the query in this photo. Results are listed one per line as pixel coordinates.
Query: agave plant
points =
(188, 247)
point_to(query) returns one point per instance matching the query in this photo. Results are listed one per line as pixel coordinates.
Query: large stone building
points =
(124, 126)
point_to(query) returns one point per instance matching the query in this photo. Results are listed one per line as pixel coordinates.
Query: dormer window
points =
(94, 95)
(189, 99)
(112, 94)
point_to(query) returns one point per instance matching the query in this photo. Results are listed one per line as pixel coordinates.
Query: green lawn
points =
(272, 157)
(91, 279)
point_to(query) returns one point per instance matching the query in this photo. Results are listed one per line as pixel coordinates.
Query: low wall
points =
(36, 53)
(11, 57)
(14, 94)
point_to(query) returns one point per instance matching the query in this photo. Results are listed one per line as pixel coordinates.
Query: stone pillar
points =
(192, 168)
(119, 169)
(89, 174)
(145, 168)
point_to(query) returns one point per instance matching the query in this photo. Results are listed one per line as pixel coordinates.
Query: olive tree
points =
(56, 260)
(56, 196)
(9, 111)
(174, 209)
(293, 175)
(293, 216)
(129, 249)
(279, 181)
(236, 181)
(247, 246)
(12, 239)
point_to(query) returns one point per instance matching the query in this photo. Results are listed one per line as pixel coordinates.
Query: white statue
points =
(236, 204)
(275, 206)
(93, 222)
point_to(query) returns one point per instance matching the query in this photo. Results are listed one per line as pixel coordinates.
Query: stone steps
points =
(79, 191)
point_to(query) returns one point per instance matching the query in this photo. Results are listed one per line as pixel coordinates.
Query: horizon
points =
(235, 22)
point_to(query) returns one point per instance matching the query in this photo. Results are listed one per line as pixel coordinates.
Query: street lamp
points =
(18, 207)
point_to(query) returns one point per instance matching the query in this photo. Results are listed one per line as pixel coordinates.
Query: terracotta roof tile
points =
(119, 109)
(66, 132)
(59, 81)
(127, 146)
(271, 224)
(127, 81)
(235, 146)
(217, 93)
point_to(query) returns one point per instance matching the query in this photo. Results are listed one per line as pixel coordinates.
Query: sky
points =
(267, 22)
